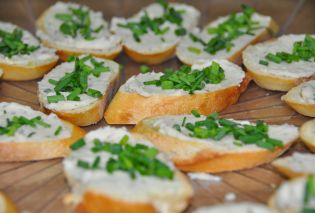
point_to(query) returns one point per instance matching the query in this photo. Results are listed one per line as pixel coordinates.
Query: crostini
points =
(226, 37)
(208, 87)
(307, 134)
(22, 57)
(296, 165)
(111, 170)
(236, 208)
(151, 35)
(26, 134)
(6, 204)
(295, 196)
(211, 144)
(282, 63)
(302, 98)
(74, 29)
(77, 90)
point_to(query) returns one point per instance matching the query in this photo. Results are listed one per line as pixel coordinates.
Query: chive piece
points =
(31, 134)
(74, 95)
(195, 113)
(83, 164)
(94, 93)
(194, 50)
(180, 31)
(274, 58)
(144, 69)
(177, 127)
(96, 162)
(78, 144)
(52, 81)
(184, 121)
(55, 98)
(58, 130)
(124, 140)
(167, 85)
(263, 62)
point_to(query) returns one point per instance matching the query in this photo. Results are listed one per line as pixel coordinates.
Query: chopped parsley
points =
(18, 121)
(189, 80)
(134, 159)
(217, 128)
(302, 50)
(76, 82)
(12, 44)
(309, 194)
(226, 32)
(77, 21)
(147, 23)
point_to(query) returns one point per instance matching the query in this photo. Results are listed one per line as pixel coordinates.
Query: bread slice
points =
(88, 110)
(135, 101)
(296, 165)
(235, 208)
(155, 48)
(282, 76)
(36, 142)
(185, 53)
(95, 189)
(307, 134)
(289, 197)
(301, 98)
(6, 204)
(103, 45)
(208, 155)
(28, 66)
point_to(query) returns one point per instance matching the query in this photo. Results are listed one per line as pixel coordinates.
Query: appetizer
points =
(235, 208)
(77, 90)
(282, 63)
(74, 29)
(212, 144)
(307, 134)
(26, 134)
(22, 57)
(151, 35)
(226, 37)
(208, 87)
(111, 170)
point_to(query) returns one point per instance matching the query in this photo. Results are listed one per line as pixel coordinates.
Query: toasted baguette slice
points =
(36, 142)
(299, 164)
(236, 208)
(301, 98)
(153, 48)
(29, 66)
(103, 44)
(98, 190)
(207, 155)
(186, 55)
(6, 204)
(289, 197)
(307, 134)
(282, 76)
(135, 101)
(88, 110)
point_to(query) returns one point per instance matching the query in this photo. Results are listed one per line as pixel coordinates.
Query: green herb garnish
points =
(78, 144)
(18, 121)
(76, 82)
(12, 44)
(189, 80)
(147, 23)
(217, 128)
(194, 50)
(309, 194)
(263, 62)
(302, 50)
(77, 21)
(58, 130)
(225, 33)
(144, 69)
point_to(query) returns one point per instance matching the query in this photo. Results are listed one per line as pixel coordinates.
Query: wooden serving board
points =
(40, 186)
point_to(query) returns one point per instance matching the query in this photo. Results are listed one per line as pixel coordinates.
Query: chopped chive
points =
(78, 144)
(263, 62)
(94, 93)
(144, 69)
(194, 50)
(55, 98)
(31, 134)
(177, 127)
(83, 164)
(52, 81)
(184, 121)
(96, 162)
(124, 140)
(195, 113)
(74, 95)
(58, 130)
(180, 31)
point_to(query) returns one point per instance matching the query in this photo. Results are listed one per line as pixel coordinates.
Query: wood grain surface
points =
(40, 186)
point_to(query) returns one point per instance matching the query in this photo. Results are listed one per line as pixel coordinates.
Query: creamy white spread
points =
(28, 133)
(230, 196)
(190, 57)
(119, 185)
(104, 41)
(299, 162)
(253, 54)
(150, 42)
(100, 83)
(236, 208)
(164, 124)
(234, 75)
(40, 56)
(308, 92)
(204, 176)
